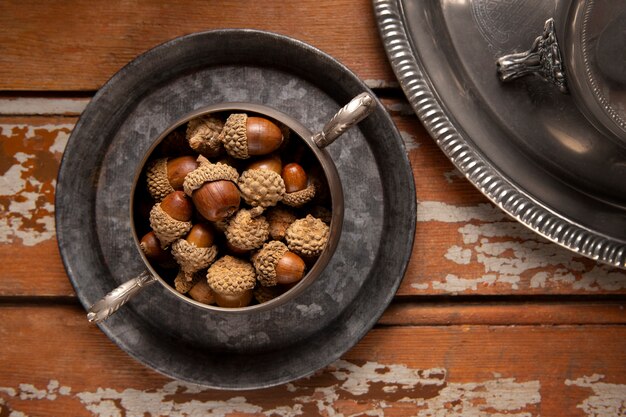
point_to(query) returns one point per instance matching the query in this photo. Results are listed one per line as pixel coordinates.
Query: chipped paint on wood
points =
(608, 400)
(502, 253)
(371, 388)
(28, 167)
(410, 141)
(42, 106)
(373, 83)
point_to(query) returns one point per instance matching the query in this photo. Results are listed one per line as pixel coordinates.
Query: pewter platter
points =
(215, 348)
(525, 145)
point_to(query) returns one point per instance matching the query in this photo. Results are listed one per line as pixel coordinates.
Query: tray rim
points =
(452, 140)
(404, 255)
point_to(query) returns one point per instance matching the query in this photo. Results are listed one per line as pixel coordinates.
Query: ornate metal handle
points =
(542, 59)
(349, 115)
(111, 302)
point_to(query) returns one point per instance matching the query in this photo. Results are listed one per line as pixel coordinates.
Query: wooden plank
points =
(79, 45)
(415, 312)
(464, 245)
(449, 371)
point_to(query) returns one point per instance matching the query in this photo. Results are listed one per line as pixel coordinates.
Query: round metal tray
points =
(525, 145)
(215, 348)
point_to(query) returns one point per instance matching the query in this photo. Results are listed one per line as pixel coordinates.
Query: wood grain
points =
(463, 245)
(79, 45)
(464, 370)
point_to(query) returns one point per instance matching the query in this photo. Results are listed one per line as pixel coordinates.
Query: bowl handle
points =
(111, 302)
(349, 115)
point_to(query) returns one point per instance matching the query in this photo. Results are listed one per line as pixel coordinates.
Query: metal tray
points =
(218, 349)
(525, 145)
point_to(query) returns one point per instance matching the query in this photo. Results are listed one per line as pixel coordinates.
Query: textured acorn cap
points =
(208, 172)
(265, 261)
(203, 134)
(158, 184)
(192, 258)
(261, 187)
(234, 136)
(166, 228)
(308, 236)
(246, 232)
(185, 281)
(299, 198)
(231, 276)
(279, 219)
(264, 294)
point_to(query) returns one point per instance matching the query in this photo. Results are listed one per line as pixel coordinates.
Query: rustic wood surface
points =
(490, 319)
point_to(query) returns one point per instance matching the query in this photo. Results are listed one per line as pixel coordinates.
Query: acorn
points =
(275, 264)
(185, 282)
(231, 276)
(212, 189)
(170, 219)
(201, 292)
(279, 219)
(244, 136)
(242, 299)
(196, 251)
(307, 237)
(165, 175)
(203, 135)
(297, 190)
(272, 162)
(261, 188)
(245, 232)
(151, 247)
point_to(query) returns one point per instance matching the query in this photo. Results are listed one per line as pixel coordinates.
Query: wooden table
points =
(490, 319)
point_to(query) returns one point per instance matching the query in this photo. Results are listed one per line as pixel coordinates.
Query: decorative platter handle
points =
(542, 59)
(349, 115)
(111, 302)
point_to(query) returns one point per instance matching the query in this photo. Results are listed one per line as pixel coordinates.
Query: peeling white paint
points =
(459, 255)
(608, 400)
(489, 398)
(450, 176)
(410, 142)
(42, 106)
(26, 191)
(429, 211)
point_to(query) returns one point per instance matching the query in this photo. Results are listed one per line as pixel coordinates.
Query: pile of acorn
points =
(235, 211)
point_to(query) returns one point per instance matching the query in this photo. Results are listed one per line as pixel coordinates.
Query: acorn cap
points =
(308, 236)
(208, 172)
(265, 261)
(203, 134)
(231, 276)
(166, 228)
(261, 187)
(234, 136)
(158, 184)
(264, 294)
(246, 232)
(192, 258)
(299, 198)
(279, 219)
(185, 281)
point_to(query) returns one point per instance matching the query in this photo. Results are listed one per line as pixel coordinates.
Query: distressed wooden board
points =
(463, 245)
(79, 45)
(448, 371)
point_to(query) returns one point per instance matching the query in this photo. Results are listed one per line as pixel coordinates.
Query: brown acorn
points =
(272, 162)
(201, 292)
(201, 235)
(151, 247)
(294, 177)
(245, 136)
(216, 200)
(178, 168)
(290, 268)
(242, 299)
(178, 206)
